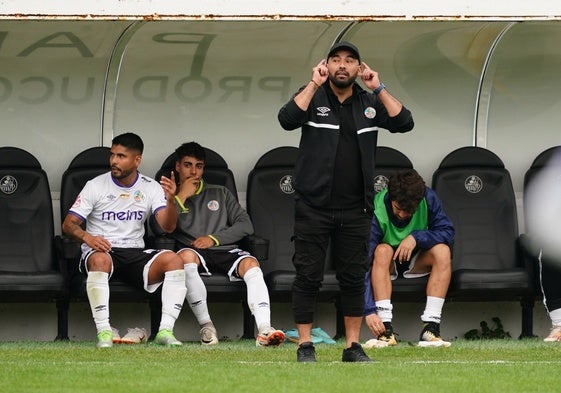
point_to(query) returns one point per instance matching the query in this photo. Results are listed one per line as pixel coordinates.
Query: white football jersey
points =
(116, 212)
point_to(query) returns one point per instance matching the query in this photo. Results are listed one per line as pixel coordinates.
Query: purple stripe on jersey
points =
(116, 182)
(76, 215)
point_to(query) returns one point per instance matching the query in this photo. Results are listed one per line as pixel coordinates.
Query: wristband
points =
(317, 86)
(379, 88)
(215, 240)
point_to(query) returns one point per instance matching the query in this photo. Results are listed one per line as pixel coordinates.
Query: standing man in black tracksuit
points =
(334, 182)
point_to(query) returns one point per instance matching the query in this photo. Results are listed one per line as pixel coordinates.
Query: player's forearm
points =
(167, 217)
(73, 230)
(393, 105)
(304, 98)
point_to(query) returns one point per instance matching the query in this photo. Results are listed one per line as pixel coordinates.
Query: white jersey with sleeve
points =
(117, 212)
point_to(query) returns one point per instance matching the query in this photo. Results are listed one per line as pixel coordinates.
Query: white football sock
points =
(433, 309)
(258, 298)
(97, 288)
(196, 293)
(173, 296)
(384, 309)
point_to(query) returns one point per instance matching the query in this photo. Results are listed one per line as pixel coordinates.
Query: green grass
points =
(468, 366)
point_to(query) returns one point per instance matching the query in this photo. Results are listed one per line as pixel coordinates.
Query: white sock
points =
(97, 288)
(196, 293)
(555, 316)
(173, 296)
(433, 309)
(384, 309)
(258, 298)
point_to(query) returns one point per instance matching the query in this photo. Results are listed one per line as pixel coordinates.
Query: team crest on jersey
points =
(213, 205)
(138, 196)
(370, 112)
(8, 184)
(473, 184)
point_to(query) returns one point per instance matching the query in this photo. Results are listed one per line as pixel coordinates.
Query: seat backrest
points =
(388, 161)
(270, 204)
(477, 194)
(84, 166)
(26, 214)
(537, 166)
(216, 170)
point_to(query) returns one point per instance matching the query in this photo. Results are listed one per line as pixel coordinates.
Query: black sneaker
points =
(306, 353)
(355, 353)
(430, 336)
(389, 335)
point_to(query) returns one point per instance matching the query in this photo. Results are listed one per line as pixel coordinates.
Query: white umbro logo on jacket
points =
(323, 111)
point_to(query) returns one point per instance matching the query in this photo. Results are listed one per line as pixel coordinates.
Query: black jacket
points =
(313, 173)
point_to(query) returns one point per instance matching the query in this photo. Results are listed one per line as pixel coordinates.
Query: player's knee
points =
(441, 256)
(383, 255)
(441, 252)
(99, 262)
(170, 261)
(189, 256)
(246, 264)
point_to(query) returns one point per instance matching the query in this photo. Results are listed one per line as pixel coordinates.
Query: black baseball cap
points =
(344, 45)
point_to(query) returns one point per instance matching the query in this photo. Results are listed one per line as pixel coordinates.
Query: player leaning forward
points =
(410, 235)
(115, 206)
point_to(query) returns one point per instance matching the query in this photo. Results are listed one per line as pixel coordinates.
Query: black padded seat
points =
(29, 268)
(270, 204)
(487, 264)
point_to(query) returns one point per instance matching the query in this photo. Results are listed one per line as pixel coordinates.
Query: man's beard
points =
(341, 84)
(120, 174)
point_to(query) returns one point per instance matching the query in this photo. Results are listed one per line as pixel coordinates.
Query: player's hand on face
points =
(370, 77)
(320, 73)
(190, 185)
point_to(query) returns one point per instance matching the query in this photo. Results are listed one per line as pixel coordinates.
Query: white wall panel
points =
(52, 81)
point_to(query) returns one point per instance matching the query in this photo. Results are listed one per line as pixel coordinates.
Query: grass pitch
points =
(238, 366)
